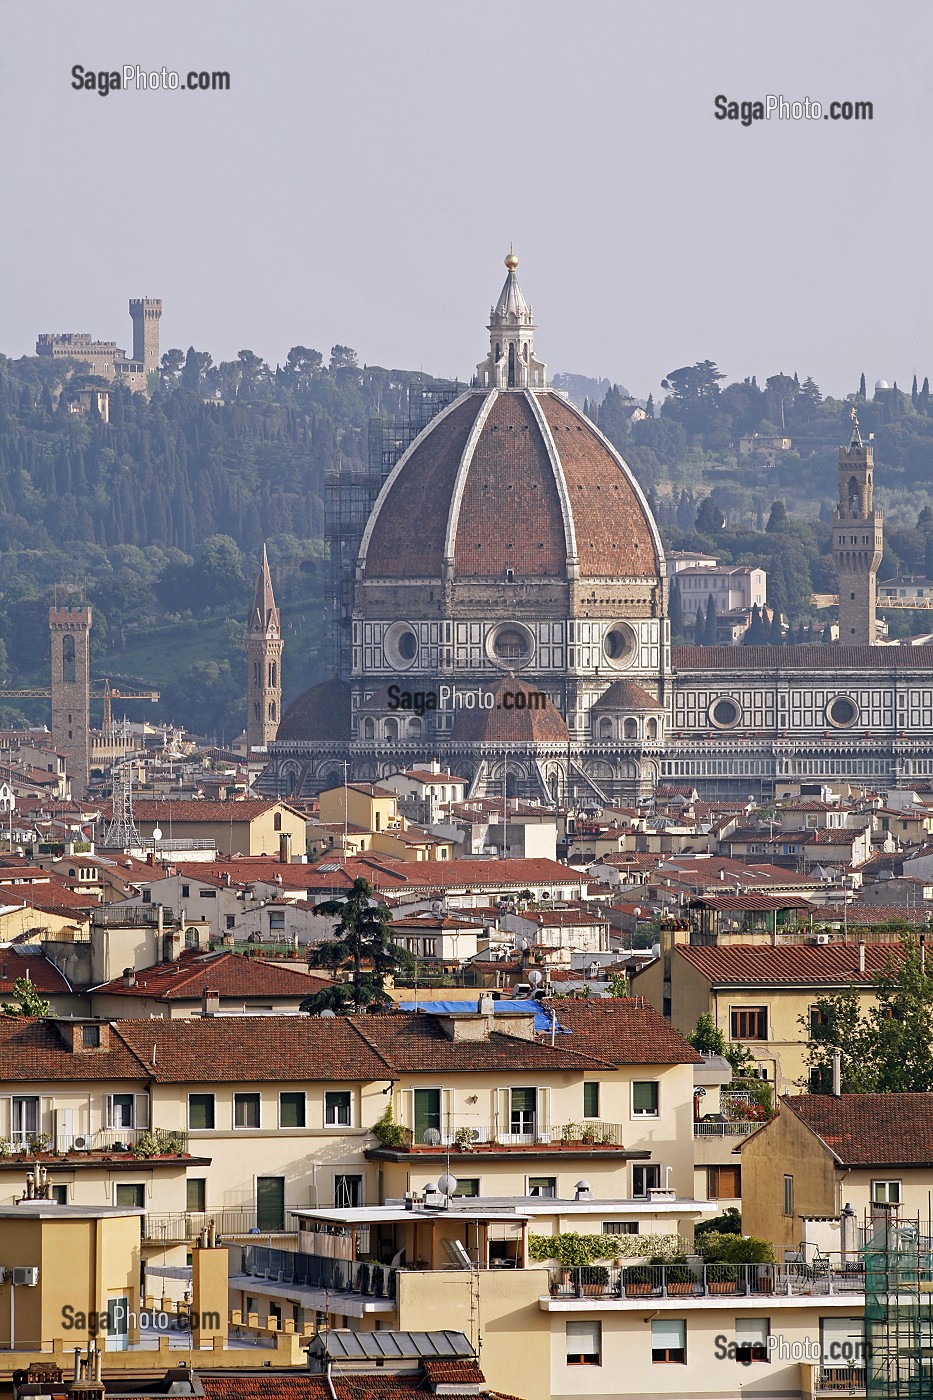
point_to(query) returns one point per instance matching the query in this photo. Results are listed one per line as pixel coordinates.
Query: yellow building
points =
(362, 805)
(250, 827)
(760, 995)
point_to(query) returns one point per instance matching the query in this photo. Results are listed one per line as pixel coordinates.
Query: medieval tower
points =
(264, 663)
(857, 541)
(70, 629)
(145, 313)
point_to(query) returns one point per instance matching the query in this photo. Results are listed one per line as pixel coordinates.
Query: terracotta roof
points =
(627, 695)
(870, 915)
(870, 1130)
(301, 1385)
(44, 975)
(803, 658)
(749, 902)
(230, 974)
(168, 810)
(624, 1031)
(32, 1049)
(749, 964)
(504, 722)
(322, 713)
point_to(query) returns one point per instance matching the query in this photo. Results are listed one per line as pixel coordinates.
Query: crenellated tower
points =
(857, 541)
(145, 313)
(264, 662)
(70, 629)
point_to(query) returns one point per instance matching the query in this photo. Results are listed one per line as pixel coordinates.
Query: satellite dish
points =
(535, 977)
(328, 1015)
(157, 834)
(431, 1137)
(447, 1184)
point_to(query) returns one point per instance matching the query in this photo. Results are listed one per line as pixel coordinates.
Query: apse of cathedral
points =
(508, 617)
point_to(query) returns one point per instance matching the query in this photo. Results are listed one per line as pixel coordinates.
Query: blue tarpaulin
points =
(542, 1015)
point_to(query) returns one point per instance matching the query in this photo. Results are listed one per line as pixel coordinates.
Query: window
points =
(788, 1195)
(427, 1112)
(277, 822)
(584, 1343)
(231, 920)
(121, 1111)
(620, 1227)
(749, 1023)
(270, 1202)
(185, 891)
(723, 1181)
(669, 1341)
(542, 1186)
(276, 918)
(68, 661)
(524, 1104)
(819, 1020)
(467, 1186)
(591, 1100)
(886, 1193)
(337, 1107)
(25, 1116)
(246, 1110)
(130, 1195)
(200, 1110)
(207, 894)
(645, 1098)
(196, 1193)
(842, 1346)
(90, 1037)
(645, 1178)
(348, 1191)
(60, 1195)
(751, 1339)
(292, 1109)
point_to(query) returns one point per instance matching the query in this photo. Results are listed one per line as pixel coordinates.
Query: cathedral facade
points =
(510, 619)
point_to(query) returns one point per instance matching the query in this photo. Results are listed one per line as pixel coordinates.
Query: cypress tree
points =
(827, 634)
(699, 623)
(677, 610)
(776, 637)
(862, 389)
(709, 624)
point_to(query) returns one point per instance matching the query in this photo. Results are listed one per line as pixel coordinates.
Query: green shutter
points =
(427, 1112)
(644, 1096)
(292, 1110)
(195, 1193)
(591, 1101)
(270, 1202)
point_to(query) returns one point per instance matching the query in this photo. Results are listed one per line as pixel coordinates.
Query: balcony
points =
(740, 1127)
(183, 1227)
(840, 1380)
(105, 1140)
(360, 1278)
(486, 1137)
(699, 1280)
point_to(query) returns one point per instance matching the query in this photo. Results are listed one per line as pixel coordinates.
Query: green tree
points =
(709, 517)
(710, 636)
(778, 517)
(197, 363)
(361, 942)
(677, 611)
(707, 1039)
(30, 1002)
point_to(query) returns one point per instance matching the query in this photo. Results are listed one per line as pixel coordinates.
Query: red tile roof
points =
(230, 974)
(871, 1130)
(167, 811)
(803, 658)
(44, 975)
(32, 1049)
(622, 1030)
(832, 964)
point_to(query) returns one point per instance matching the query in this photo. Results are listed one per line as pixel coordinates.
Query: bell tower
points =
(857, 541)
(511, 362)
(264, 663)
(70, 629)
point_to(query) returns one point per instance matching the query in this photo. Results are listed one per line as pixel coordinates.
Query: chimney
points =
(210, 1002)
(837, 1073)
(861, 955)
(285, 848)
(129, 977)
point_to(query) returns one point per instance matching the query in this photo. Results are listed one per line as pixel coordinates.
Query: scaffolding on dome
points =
(898, 1256)
(350, 492)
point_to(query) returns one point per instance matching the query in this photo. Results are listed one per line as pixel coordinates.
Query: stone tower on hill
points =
(264, 663)
(145, 313)
(857, 541)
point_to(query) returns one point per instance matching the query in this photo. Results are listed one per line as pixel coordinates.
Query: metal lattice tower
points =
(898, 1309)
(122, 832)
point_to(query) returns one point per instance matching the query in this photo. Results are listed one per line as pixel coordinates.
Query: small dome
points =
(881, 384)
(322, 713)
(526, 717)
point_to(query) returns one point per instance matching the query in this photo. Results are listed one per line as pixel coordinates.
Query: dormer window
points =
(90, 1037)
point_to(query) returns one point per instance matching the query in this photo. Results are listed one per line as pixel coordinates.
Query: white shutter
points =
(448, 1126)
(842, 1340)
(751, 1331)
(108, 1111)
(141, 1111)
(668, 1334)
(544, 1108)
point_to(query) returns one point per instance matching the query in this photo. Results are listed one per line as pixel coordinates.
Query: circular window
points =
(842, 712)
(725, 713)
(510, 646)
(620, 645)
(401, 645)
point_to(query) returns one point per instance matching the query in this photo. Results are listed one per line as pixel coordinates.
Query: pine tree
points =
(649, 406)
(710, 637)
(676, 611)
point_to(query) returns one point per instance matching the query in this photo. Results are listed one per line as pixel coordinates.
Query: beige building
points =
(250, 827)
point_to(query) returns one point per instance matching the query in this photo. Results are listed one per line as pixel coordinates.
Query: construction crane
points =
(108, 694)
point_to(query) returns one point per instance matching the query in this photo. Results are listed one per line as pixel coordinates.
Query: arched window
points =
(512, 364)
(652, 729)
(272, 709)
(273, 672)
(277, 822)
(630, 729)
(605, 728)
(414, 728)
(369, 729)
(391, 729)
(257, 673)
(68, 659)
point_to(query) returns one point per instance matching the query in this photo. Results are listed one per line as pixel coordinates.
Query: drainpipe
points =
(330, 1384)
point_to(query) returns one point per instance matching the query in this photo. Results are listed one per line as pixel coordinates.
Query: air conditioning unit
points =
(822, 938)
(81, 1144)
(27, 1277)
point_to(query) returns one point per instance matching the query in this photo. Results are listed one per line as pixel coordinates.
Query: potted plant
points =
(678, 1276)
(591, 1280)
(637, 1281)
(463, 1139)
(722, 1278)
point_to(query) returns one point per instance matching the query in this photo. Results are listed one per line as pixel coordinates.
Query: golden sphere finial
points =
(511, 261)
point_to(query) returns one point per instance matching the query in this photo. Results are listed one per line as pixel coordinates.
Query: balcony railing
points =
(586, 1134)
(698, 1280)
(840, 1380)
(739, 1127)
(285, 1266)
(103, 1140)
(177, 1227)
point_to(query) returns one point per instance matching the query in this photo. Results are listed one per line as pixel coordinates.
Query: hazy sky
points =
(362, 178)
